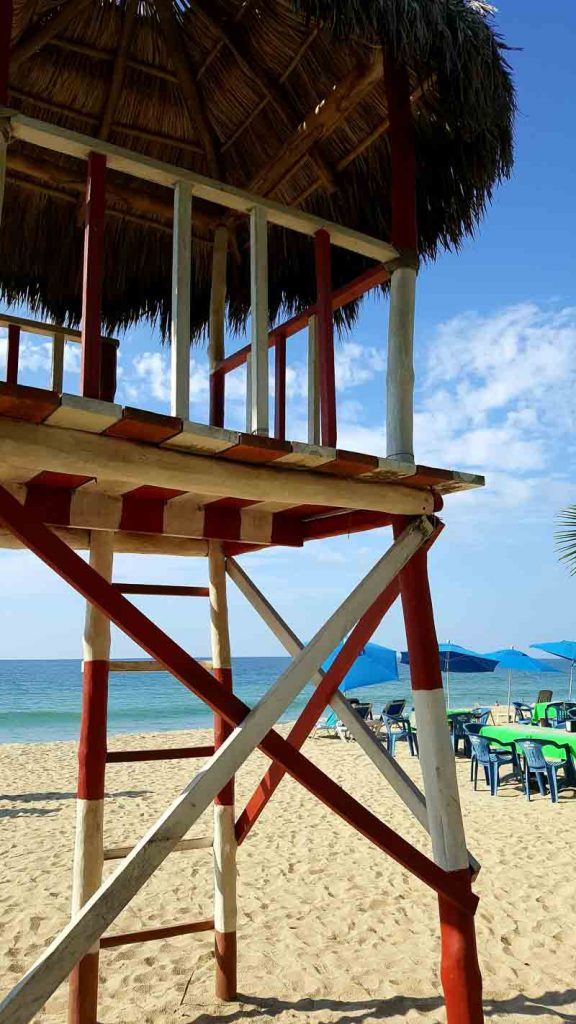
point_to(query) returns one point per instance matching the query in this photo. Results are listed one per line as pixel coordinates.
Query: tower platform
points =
(169, 486)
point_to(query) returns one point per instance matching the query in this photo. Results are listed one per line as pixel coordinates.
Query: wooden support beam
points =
(118, 70)
(162, 754)
(217, 325)
(192, 95)
(320, 123)
(460, 971)
(225, 899)
(35, 447)
(259, 317)
(63, 141)
(45, 31)
(89, 846)
(161, 589)
(181, 285)
(124, 543)
(253, 728)
(93, 269)
(154, 934)
(184, 846)
(325, 338)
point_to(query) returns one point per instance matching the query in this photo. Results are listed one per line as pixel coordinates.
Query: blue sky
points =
(496, 376)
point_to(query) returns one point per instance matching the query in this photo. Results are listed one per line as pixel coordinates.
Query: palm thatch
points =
(223, 87)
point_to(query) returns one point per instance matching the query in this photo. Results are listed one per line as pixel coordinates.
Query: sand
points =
(330, 929)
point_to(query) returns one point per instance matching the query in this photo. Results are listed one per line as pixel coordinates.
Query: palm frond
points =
(566, 537)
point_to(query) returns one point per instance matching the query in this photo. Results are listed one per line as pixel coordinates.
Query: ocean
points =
(40, 700)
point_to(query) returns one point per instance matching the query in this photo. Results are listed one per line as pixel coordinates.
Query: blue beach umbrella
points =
(458, 659)
(562, 649)
(375, 664)
(517, 661)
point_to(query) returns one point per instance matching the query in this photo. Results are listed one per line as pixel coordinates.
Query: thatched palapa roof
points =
(282, 97)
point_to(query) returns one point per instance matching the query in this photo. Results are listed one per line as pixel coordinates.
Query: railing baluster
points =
(259, 304)
(280, 388)
(313, 383)
(325, 337)
(180, 326)
(249, 394)
(12, 354)
(57, 369)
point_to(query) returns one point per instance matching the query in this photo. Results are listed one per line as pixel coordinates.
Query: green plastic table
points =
(539, 709)
(511, 733)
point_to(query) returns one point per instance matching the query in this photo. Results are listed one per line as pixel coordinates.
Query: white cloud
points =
(35, 355)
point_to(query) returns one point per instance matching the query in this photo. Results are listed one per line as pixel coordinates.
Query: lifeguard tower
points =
(192, 162)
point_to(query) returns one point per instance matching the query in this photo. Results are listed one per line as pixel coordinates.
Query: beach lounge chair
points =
(328, 725)
(394, 708)
(535, 763)
(491, 760)
(522, 712)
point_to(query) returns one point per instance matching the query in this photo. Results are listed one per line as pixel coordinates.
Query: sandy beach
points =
(329, 928)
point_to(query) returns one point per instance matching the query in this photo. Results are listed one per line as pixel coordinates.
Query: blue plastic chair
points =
(522, 712)
(459, 734)
(557, 713)
(535, 763)
(481, 715)
(490, 759)
(399, 728)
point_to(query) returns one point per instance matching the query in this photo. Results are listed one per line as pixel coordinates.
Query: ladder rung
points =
(150, 934)
(161, 590)
(161, 754)
(201, 843)
(144, 665)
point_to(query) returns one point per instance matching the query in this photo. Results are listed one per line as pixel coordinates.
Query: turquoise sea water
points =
(40, 700)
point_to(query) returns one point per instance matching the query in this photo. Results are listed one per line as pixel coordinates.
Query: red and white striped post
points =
(93, 270)
(460, 972)
(224, 833)
(89, 846)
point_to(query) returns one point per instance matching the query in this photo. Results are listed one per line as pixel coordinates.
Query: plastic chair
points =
(482, 715)
(459, 734)
(522, 712)
(482, 753)
(535, 763)
(398, 728)
(561, 713)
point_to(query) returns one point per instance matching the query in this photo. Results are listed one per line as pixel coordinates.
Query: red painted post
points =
(217, 398)
(460, 971)
(90, 370)
(325, 337)
(12, 354)
(280, 388)
(404, 226)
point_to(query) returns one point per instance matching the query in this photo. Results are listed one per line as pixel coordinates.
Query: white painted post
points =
(249, 394)
(259, 305)
(225, 912)
(313, 383)
(57, 370)
(181, 277)
(400, 375)
(89, 845)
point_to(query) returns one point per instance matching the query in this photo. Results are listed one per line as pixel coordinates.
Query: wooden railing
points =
(58, 336)
(186, 186)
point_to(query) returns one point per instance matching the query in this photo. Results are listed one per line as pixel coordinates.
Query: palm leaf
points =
(566, 537)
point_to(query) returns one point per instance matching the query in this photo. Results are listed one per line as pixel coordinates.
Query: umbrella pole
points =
(509, 690)
(570, 682)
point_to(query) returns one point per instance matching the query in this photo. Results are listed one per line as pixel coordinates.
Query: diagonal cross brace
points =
(400, 781)
(253, 728)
